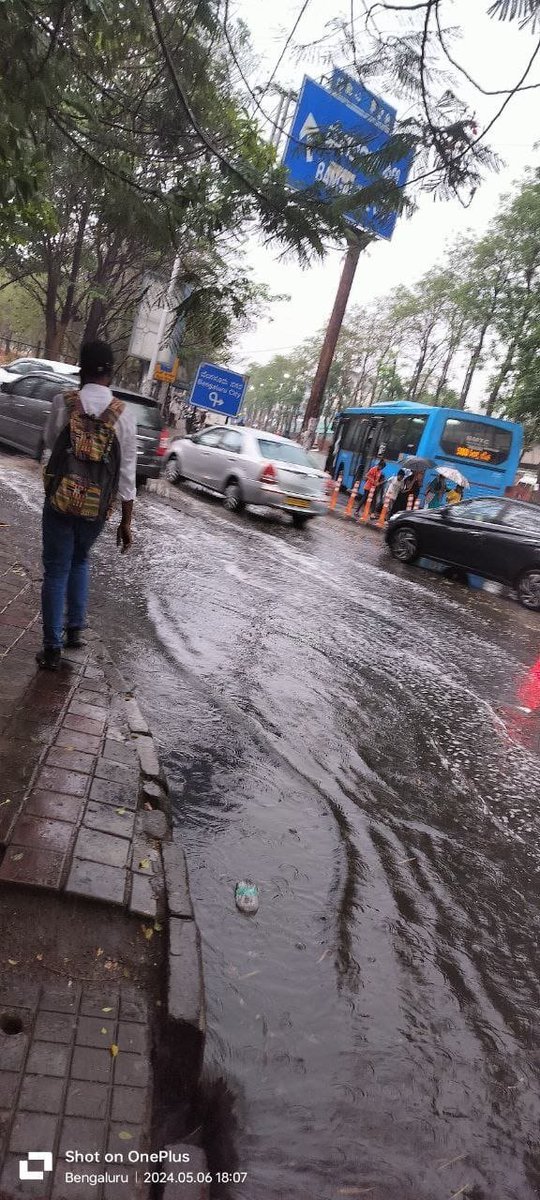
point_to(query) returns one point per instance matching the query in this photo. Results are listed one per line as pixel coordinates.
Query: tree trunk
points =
(56, 327)
(94, 320)
(504, 370)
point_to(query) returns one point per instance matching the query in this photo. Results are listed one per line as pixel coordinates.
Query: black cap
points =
(96, 358)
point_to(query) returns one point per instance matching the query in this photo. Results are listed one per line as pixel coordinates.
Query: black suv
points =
(25, 405)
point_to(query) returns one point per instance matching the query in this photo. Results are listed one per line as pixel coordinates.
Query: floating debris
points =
(246, 896)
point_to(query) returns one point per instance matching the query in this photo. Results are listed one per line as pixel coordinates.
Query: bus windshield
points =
(476, 441)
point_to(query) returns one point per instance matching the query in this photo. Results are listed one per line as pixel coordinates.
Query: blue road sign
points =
(378, 111)
(218, 389)
(331, 171)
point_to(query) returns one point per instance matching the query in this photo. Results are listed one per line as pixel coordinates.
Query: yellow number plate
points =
(297, 502)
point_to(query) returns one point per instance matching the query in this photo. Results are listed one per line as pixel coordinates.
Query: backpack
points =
(81, 477)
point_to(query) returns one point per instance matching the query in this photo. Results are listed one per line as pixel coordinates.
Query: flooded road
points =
(351, 735)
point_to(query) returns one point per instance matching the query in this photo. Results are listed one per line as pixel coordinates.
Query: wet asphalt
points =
(351, 734)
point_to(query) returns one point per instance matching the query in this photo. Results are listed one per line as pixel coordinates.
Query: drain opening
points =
(10, 1024)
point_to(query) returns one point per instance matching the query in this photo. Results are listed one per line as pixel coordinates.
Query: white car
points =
(250, 466)
(27, 366)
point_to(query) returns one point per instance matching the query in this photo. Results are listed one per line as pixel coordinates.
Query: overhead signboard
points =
(329, 169)
(367, 103)
(217, 389)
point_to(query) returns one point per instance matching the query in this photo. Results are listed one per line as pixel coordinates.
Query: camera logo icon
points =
(43, 1157)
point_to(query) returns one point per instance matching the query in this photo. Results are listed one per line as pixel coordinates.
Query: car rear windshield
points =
(145, 414)
(472, 441)
(286, 452)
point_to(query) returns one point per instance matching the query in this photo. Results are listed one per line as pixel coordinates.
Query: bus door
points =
(367, 445)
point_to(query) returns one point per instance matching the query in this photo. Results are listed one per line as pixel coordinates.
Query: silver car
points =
(249, 466)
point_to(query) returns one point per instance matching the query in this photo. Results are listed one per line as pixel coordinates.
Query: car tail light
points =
(268, 474)
(163, 443)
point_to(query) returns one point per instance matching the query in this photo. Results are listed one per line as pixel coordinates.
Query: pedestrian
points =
(436, 492)
(91, 457)
(455, 495)
(393, 491)
(371, 483)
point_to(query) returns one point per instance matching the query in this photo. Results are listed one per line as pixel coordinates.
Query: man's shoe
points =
(74, 640)
(49, 659)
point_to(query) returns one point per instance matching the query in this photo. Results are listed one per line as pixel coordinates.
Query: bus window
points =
(475, 441)
(354, 433)
(402, 435)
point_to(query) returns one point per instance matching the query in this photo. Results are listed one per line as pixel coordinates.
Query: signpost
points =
(315, 158)
(327, 167)
(217, 389)
(166, 369)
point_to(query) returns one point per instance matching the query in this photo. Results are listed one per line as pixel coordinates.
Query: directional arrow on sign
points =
(308, 129)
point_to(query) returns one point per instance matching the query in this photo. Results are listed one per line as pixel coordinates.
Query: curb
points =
(183, 1026)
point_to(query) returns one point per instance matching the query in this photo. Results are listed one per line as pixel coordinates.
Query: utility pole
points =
(328, 349)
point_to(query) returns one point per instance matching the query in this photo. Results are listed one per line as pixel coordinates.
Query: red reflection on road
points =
(529, 690)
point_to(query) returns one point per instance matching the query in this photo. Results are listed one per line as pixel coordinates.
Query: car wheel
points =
(172, 470)
(528, 589)
(404, 544)
(299, 520)
(233, 498)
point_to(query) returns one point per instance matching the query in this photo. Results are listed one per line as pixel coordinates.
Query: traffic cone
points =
(335, 493)
(350, 502)
(367, 505)
(384, 513)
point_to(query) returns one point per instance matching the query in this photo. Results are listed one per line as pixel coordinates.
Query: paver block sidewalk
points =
(70, 758)
(62, 1089)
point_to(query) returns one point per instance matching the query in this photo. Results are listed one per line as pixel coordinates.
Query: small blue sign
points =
(317, 111)
(218, 390)
(378, 111)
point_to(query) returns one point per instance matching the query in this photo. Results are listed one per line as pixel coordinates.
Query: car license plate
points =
(297, 501)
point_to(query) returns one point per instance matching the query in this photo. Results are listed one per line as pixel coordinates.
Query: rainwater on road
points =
(351, 735)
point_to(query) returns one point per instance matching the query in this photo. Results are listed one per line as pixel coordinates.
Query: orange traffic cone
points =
(384, 514)
(350, 502)
(367, 505)
(335, 493)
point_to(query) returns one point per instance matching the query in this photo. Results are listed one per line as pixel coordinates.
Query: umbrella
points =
(454, 476)
(417, 464)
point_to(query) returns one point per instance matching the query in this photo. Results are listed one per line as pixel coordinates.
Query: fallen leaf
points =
(121, 812)
(249, 975)
(106, 1010)
(99, 952)
(17, 857)
(158, 926)
(8, 801)
(110, 965)
(39, 957)
(125, 1136)
(147, 807)
(147, 931)
(324, 955)
(144, 864)
(113, 1050)
(126, 973)
(104, 1030)
(13, 962)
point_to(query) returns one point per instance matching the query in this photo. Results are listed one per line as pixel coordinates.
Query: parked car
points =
(25, 404)
(27, 366)
(249, 466)
(490, 536)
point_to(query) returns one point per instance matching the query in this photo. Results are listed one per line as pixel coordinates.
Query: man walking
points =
(91, 458)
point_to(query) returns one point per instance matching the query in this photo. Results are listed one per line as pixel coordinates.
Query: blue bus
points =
(485, 449)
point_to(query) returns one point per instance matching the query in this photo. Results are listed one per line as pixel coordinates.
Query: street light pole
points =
(328, 349)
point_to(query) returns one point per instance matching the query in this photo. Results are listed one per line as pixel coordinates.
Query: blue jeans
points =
(67, 542)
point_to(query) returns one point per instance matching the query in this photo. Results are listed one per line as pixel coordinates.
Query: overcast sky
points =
(494, 52)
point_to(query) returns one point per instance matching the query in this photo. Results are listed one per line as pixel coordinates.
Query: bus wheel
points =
(404, 544)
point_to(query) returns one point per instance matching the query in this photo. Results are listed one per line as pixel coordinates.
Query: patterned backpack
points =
(81, 477)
